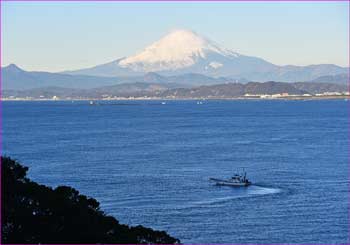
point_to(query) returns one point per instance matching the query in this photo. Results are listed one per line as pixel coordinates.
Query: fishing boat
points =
(237, 180)
(93, 102)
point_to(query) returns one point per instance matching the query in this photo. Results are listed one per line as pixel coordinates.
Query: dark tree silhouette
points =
(33, 213)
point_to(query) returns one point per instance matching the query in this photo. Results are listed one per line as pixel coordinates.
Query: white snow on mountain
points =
(185, 52)
(215, 65)
(179, 49)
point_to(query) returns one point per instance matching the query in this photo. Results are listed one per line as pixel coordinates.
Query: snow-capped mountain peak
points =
(178, 49)
(185, 52)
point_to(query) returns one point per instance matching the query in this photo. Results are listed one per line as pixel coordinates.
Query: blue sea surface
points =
(149, 163)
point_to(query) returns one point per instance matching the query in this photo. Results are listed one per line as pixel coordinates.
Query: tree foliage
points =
(34, 213)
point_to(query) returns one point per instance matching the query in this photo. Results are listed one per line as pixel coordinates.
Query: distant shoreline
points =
(334, 97)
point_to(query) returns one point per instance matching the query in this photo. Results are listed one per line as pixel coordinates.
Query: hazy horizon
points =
(66, 36)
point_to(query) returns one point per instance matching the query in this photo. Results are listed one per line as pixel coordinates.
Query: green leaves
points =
(33, 213)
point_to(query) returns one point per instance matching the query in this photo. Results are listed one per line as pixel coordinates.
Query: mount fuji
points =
(184, 51)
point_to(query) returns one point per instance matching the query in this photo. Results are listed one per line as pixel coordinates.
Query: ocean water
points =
(149, 163)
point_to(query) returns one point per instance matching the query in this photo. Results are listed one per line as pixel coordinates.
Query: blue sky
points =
(56, 36)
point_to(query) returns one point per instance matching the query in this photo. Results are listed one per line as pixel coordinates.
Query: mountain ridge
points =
(183, 51)
(15, 78)
(160, 91)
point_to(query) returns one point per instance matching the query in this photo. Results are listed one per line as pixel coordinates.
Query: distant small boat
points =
(93, 102)
(163, 103)
(199, 102)
(237, 180)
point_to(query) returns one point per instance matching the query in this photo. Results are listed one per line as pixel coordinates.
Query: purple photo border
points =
(189, 1)
(155, 1)
(1, 128)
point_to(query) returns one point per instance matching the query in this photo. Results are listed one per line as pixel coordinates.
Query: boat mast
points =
(245, 174)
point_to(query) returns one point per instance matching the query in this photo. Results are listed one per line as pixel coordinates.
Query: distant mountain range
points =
(232, 90)
(183, 51)
(156, 90)
(337, 79)
(15, 78)
(181, 59)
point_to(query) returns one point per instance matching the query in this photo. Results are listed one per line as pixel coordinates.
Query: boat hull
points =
(230, 183)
